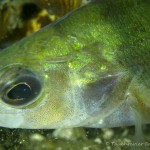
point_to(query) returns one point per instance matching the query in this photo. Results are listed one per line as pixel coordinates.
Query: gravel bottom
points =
(73, 139)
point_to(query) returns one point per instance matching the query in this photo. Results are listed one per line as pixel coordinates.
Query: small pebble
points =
(37, 137)
(98, 141)
(107, 133)
(70, 133)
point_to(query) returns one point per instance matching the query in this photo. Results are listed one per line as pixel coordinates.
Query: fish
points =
(91, 68)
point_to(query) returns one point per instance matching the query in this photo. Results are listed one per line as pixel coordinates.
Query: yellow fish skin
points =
(90, 68)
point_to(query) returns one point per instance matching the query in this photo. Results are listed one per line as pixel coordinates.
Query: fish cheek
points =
(51, 113)
(55, 106)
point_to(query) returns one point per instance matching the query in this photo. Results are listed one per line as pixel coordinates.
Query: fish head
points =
(35, 85)
(47, 84)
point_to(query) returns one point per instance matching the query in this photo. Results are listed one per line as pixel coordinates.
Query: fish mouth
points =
(19, 86)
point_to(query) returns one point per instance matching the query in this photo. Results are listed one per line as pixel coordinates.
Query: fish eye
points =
(22, 91)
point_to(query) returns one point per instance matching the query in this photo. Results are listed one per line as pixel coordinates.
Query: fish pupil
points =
(20, 91)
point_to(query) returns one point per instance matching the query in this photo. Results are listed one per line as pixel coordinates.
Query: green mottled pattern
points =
(114, 29)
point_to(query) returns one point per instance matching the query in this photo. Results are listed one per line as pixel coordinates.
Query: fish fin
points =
(138, 140)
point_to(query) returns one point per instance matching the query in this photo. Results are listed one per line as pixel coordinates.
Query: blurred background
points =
(20, 18)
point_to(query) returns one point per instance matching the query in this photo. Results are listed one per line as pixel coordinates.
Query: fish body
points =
(91, 68)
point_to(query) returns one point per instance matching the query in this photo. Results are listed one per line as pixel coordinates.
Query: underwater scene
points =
(74, 75)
